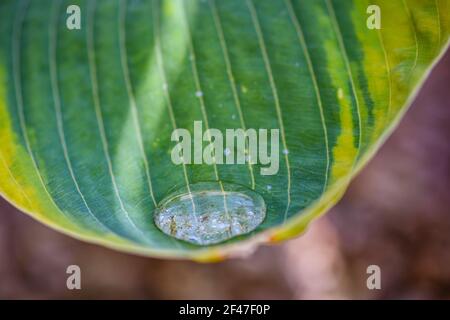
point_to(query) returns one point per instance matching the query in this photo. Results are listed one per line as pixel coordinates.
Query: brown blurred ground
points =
(395, 214)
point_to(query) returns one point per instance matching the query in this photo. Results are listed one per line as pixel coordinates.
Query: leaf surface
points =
(86, 116)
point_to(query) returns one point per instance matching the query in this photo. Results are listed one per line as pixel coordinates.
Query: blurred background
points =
(396, 214)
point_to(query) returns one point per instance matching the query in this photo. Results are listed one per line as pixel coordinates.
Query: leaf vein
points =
(344, 53)
(223, 44)
(58, 111)
(202, 105)
(298, 29)
(98, 111)
(160, 63)
(268, 68)
(16, 48)
(131, 97)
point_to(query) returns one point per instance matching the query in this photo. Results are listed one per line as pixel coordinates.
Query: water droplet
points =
(285, 151)
(208, 215)
(227, 151)
(199, 94)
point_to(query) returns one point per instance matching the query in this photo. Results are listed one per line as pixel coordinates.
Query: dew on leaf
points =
(207, 214)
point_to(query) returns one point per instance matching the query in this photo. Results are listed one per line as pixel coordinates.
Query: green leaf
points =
(86, 116)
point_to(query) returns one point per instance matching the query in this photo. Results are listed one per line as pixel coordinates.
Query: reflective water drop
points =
(209, 214)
